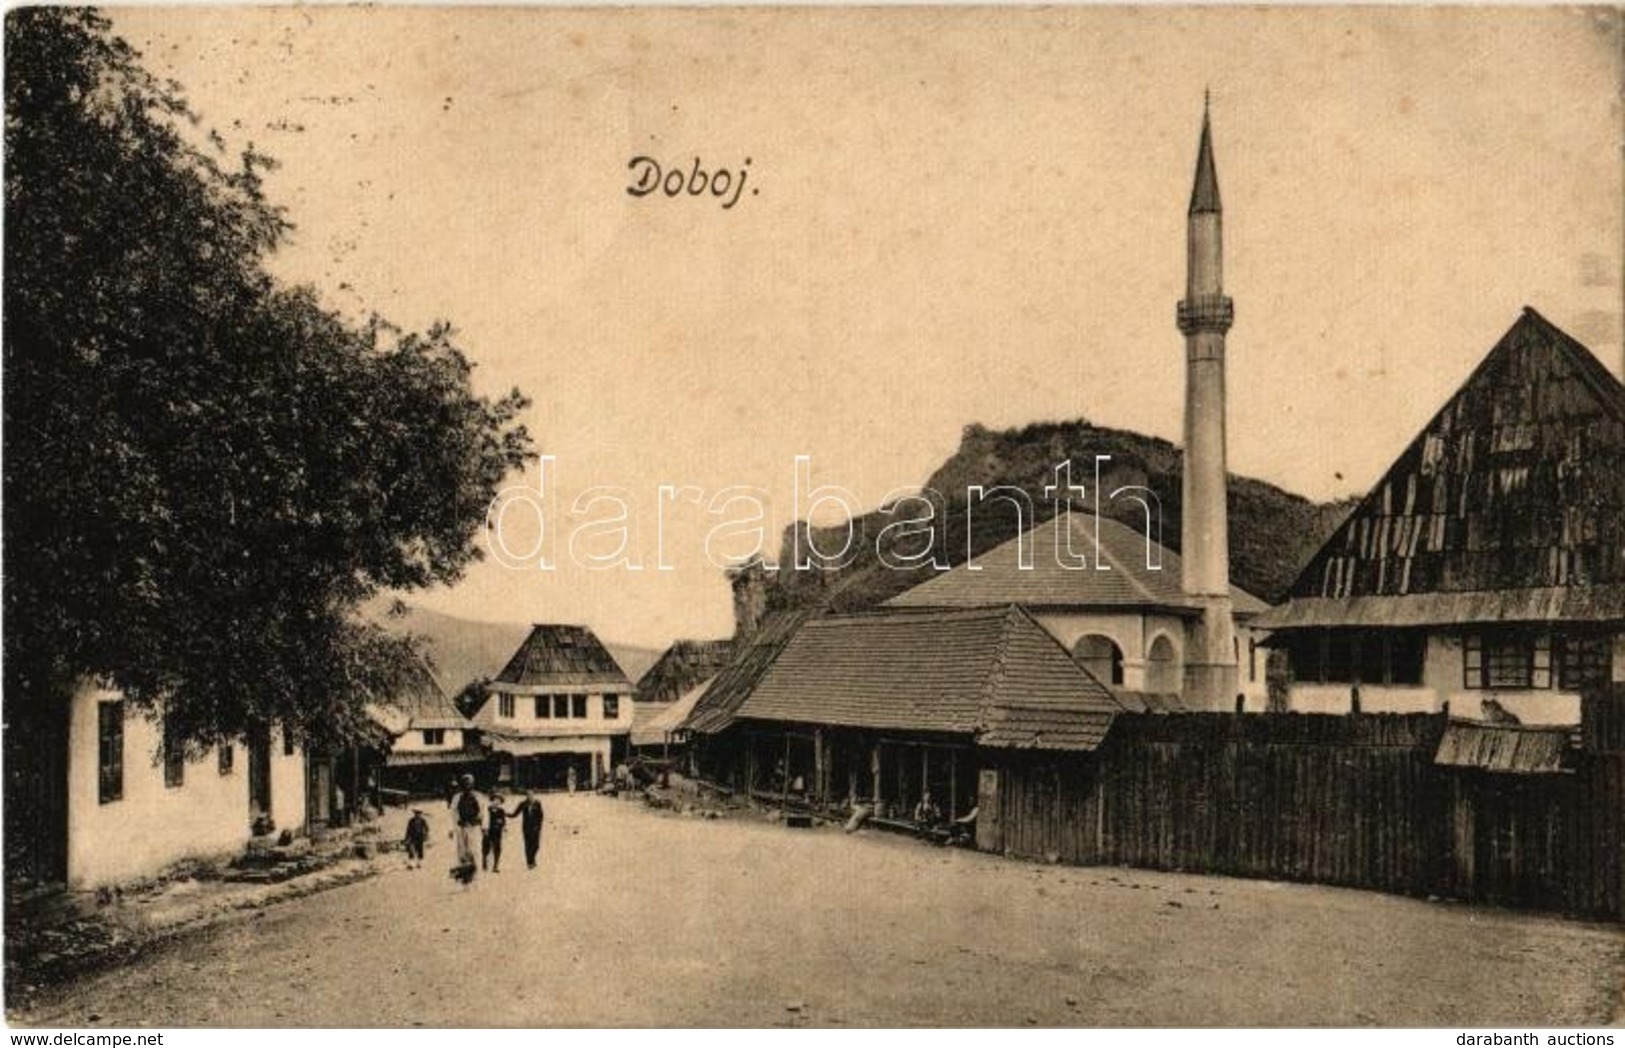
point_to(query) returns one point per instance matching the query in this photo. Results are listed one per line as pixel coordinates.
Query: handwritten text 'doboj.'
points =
(648, 176)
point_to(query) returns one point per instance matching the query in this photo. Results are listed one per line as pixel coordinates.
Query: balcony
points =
(1206, 313)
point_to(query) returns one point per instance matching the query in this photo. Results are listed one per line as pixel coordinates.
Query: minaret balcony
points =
(1206, 313)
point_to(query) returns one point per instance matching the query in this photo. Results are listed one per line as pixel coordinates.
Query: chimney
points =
(749, 583)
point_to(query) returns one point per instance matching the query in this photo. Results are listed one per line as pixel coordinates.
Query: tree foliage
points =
(205, 471)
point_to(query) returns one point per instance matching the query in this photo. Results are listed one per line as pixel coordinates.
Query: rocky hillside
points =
(1272, 532)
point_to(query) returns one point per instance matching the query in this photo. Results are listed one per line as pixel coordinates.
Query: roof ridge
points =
(1610, 390)
(990, 685)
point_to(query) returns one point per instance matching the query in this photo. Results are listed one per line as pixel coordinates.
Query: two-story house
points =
(1485, 572)
(558, 713)
(430, 741)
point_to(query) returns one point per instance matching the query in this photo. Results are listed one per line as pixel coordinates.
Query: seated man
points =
(926, 813)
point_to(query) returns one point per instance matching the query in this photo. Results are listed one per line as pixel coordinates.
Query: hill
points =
(1273, 532)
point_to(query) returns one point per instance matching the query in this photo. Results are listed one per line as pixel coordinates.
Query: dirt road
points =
(639, 918)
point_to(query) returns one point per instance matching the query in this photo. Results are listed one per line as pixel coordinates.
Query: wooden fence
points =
(1354, 800)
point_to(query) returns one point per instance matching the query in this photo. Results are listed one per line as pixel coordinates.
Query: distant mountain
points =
(463, 650)
(1273, 532)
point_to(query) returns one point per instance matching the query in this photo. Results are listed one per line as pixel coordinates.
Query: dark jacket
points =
(530, 816)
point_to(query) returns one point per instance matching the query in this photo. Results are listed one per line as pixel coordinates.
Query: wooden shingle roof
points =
(1128, 572)
(992, 673)
(420, 702)
(715, 711)
(1504, 748)
(1508, 506)
(681, 666)
(559, 655)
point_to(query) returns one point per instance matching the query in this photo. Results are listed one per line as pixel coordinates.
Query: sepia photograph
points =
(812, 517)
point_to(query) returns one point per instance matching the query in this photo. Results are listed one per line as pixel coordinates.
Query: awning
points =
(1503, 748)
(1601, 603)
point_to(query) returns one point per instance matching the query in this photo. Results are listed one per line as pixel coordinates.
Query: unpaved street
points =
(639, 918)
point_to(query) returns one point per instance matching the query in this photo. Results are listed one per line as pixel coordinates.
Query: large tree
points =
(205, 472)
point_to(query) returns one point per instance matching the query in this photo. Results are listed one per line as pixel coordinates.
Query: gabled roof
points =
(419, 703)
(993, 673)
(681, 666)
(652, 722)
(997, 578)
(559, 655)
(715, 710)
(1508, 506)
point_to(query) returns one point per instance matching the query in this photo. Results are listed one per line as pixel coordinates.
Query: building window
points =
(434, 736)
(228, 758)
(174, 757)
(287, 743)
(578, 706)
(1407, 655)
(1584, 661)
(1358, 657)
(561, 706)
(1508, 659)
(1339, 666)
(505, 706)
(110, 751)
(542, 707)
(612, 707)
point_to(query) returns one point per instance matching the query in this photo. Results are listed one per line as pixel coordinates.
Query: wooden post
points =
(925, 771)
(875, 769)
(820, 768)
(784, 799)
(953, 784)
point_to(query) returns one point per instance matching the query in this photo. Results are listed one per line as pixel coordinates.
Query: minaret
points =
(1204, 317)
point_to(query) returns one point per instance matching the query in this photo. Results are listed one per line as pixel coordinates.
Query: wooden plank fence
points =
(1354, 800)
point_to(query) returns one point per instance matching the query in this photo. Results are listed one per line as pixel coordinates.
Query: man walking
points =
(530, 816)
(467, 807)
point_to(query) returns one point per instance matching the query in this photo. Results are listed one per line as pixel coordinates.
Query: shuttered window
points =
(1509, 659)
(109, 751)
(1584, 661)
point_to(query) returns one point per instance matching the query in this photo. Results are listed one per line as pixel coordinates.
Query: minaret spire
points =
(1205, 191)
(1204, 316)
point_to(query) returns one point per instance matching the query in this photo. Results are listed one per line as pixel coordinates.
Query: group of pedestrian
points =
(467, 812)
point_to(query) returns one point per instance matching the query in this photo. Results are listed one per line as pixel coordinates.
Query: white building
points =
(430, 741)
(558, 713)
(135, 807)
(1129, 624)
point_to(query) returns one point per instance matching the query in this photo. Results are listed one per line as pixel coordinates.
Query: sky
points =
(949, 216)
